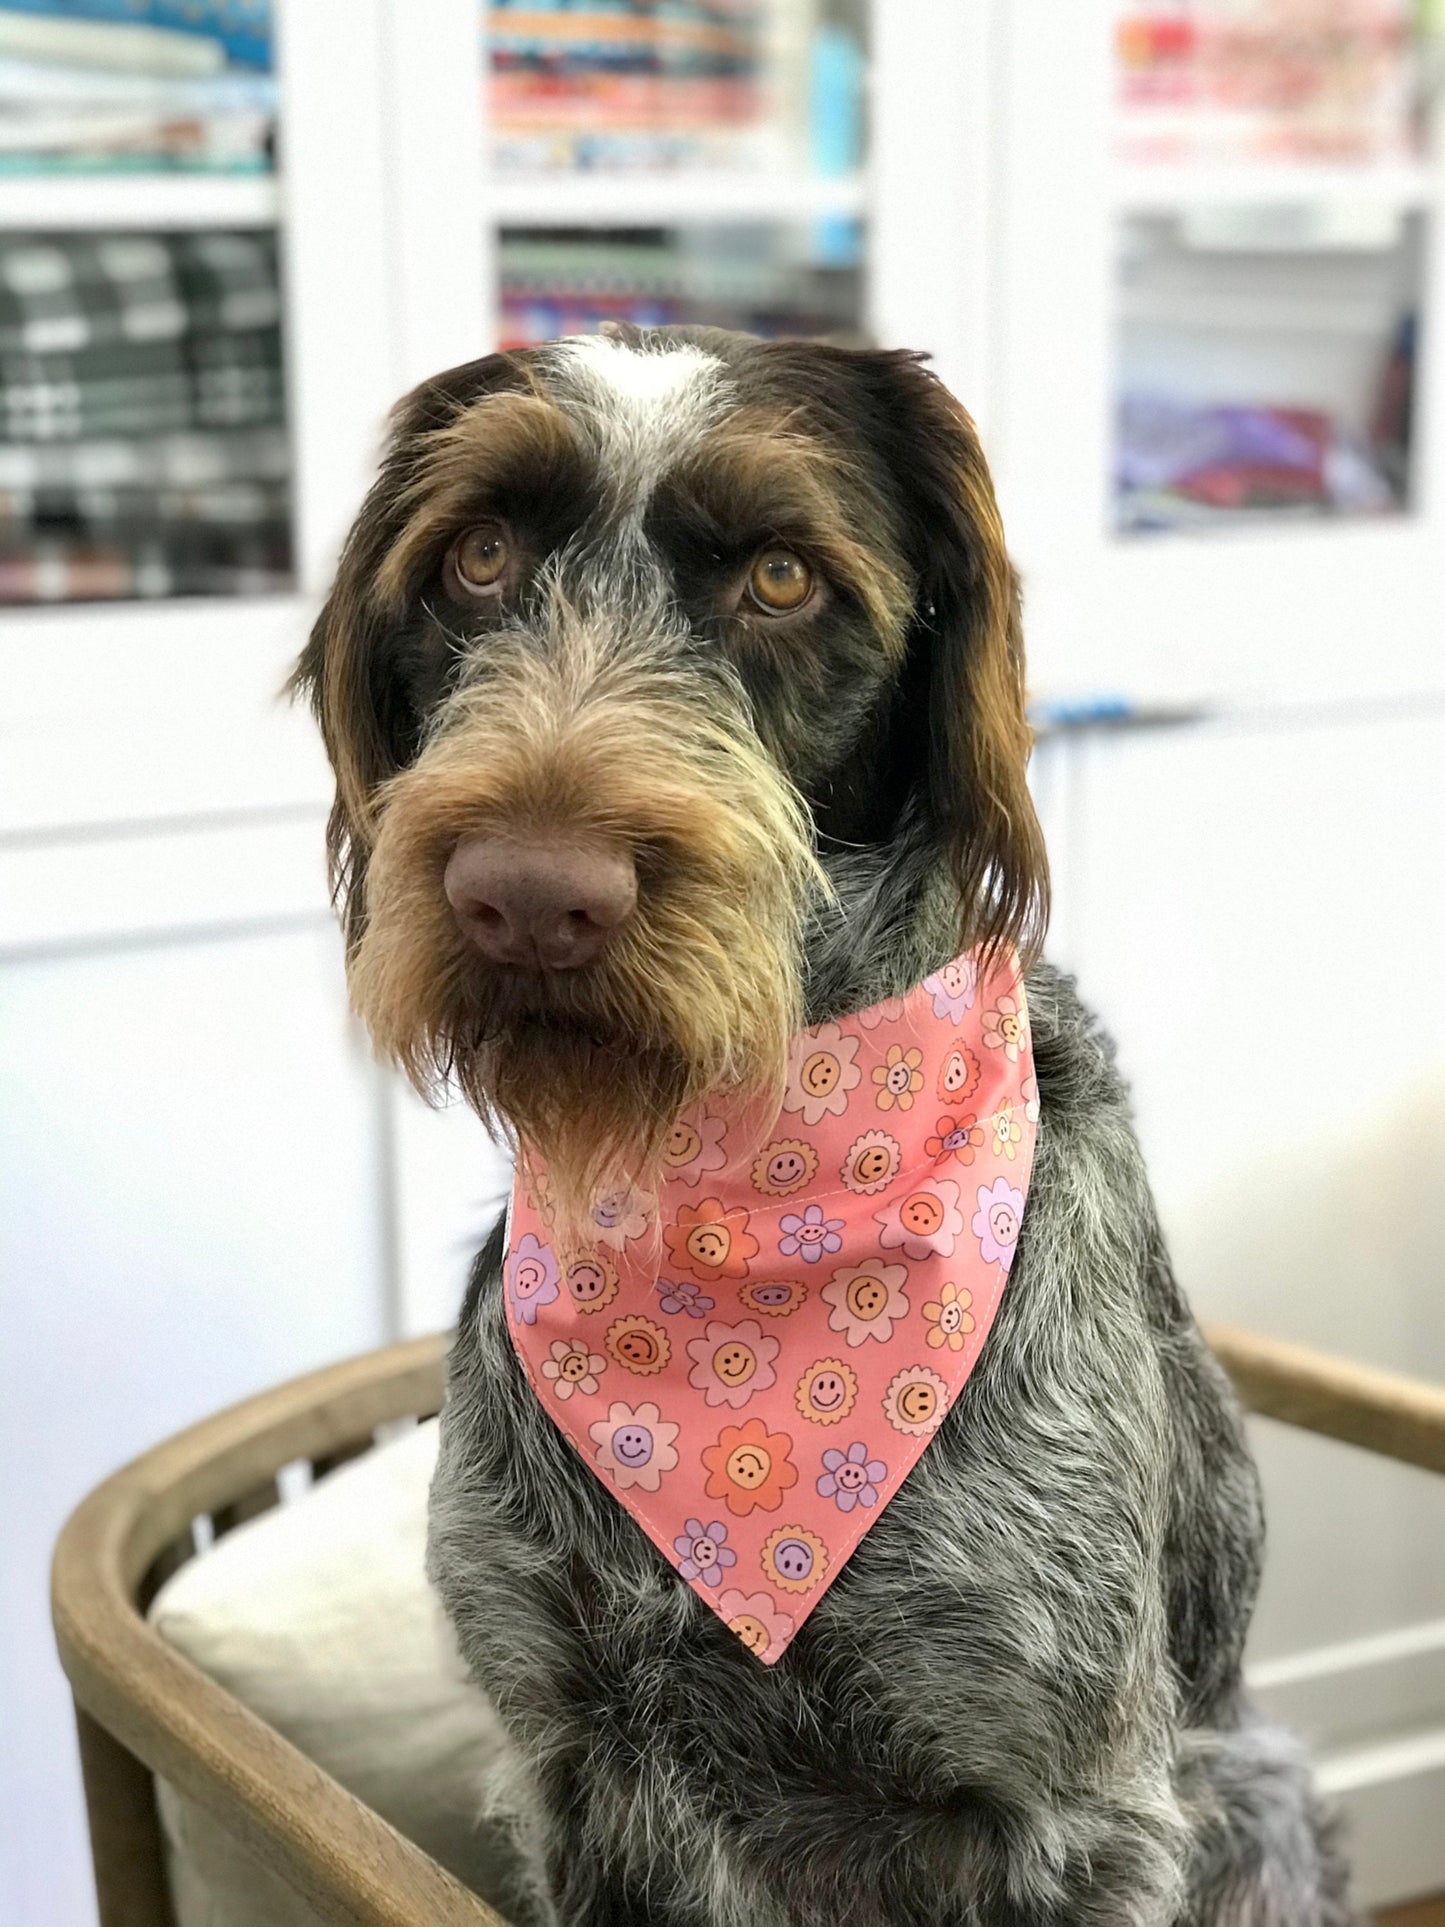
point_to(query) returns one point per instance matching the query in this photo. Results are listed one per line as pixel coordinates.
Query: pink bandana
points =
(756, 1383)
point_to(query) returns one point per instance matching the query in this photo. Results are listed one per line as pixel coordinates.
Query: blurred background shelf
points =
(138, 201)
(1166, 185)
(637, 200)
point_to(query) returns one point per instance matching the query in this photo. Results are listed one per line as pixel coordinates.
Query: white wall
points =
(1254, 907)
(189, 1214)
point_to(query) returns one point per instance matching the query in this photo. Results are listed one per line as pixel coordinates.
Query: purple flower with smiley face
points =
(531, 1277)
(851, 1477)
(703, 1551)
(811, 1235)
(685, 1296)
(953, 989)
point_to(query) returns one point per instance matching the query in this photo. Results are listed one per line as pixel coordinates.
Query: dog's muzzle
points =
(540, 905)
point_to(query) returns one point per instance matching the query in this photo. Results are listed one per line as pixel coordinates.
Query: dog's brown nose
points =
(540, 905)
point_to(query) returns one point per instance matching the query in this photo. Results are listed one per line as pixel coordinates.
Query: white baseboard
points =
(1373, 1713)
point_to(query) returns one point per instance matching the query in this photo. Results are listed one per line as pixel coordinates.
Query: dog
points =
(673, 683)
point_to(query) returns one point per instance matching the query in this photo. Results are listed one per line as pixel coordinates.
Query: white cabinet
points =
(191, 1212)
(1330, 609)
(1253, 908)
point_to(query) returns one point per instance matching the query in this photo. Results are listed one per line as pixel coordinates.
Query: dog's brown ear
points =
(967, 662)
(346, 670)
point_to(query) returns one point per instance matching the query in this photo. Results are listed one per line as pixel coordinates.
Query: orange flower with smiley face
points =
(709, 1241)
(750, 1468)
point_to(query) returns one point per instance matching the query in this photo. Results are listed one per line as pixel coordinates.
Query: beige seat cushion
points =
(318, 1616)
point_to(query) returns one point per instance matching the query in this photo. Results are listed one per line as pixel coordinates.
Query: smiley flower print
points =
(573, 1368)
(888, 1012)
(531, 1278)
(810, 1236)
(794, 1558)
(684, 1296)
(638, 1345)
(592, 1282)
(953, 989)
(635, 1446)
(618, 1216)
(916, 1401)
(1006, 1028)
(955, 1140)
(867, 1301)
(827, 1391)
(925, 1222)
(996, 1222)
(821, 1072)
(871, 1163)
(957, 1074)
(756, 1621)
(731, 1362)
(750, 1468)
(1007, 1135)
(950, 1318)
(703, 1551)
(776, 1330)
(710, 1241)
(694, 1146)
(851, 1478)
(784, 1166)
(899, 1079)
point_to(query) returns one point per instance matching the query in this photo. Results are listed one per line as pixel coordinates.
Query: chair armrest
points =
(1385, 1412)
(348, 1863)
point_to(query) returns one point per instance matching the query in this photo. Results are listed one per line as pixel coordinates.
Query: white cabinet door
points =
(190, 1188)
(452, 1184)
(1255, 910)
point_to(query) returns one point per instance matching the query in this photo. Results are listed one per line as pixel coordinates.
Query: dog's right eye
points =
(477, 560)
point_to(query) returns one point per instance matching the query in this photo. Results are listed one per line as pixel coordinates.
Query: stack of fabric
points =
(624, 83)
(1187, 465)
(765, 282)
(1270, 80)
(126, 85)
(142, 407)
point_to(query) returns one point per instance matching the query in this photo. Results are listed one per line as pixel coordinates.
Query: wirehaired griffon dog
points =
(674, 687)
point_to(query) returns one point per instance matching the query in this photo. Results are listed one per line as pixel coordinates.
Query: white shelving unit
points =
(139, 201)
(650, 200)
(1334, 611)
(1165, 187)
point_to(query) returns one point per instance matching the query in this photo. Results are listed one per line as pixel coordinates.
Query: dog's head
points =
(631, 636)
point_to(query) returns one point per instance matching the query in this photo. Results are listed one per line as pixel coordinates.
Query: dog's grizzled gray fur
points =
(1020, 1701)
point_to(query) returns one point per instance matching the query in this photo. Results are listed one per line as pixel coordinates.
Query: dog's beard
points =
(699, 993)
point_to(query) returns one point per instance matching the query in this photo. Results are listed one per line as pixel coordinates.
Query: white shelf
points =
(1165, 186)
(139, 201)
(651, 200)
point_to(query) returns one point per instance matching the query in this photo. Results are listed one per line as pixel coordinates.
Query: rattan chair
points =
(144, 1710)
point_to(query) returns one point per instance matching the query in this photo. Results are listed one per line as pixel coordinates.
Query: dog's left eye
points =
(780, 582)
(477, 560)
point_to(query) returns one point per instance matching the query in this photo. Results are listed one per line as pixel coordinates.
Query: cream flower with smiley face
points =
(731, 1362)
(867, 1301)
(821, 1072)
(916, 1401)
(635, 1446)
(694, 1146)
(573, 1368)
